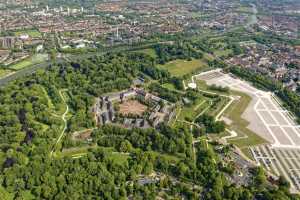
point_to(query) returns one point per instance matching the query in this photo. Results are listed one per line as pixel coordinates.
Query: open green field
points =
(182, 67)
(169, 86)
(225, 52)
(200, 106)
(151, 52)
(22, 64)
(234, 113)
(31, 33)
(244, 9)
(217, 108)
(117, 157)
(4, 72)
(245, 137)
(35, 59)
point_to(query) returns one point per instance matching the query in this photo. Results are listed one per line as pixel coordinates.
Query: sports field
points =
(182, 67)
(31, 33)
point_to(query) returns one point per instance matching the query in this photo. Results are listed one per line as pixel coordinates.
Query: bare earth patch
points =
(82, 135)
(132, 107)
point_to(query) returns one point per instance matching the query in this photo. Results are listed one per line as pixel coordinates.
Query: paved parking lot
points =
(268, 119)
(280, 161)
(266, 116)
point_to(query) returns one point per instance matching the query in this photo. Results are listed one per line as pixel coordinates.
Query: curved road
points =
(63, 117)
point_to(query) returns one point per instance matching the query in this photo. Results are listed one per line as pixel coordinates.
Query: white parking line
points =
(263, 120)
(291, 166)
(285, 168)
(254, 155)
(272, 160)
(280, 116)
(277, 123)
(263, 158)
(272, 110)
(284, 126)
(285, 117)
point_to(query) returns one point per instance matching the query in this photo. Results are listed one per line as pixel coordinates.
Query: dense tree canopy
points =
(118, 163)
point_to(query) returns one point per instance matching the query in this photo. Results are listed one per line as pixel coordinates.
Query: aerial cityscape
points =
(150, 99)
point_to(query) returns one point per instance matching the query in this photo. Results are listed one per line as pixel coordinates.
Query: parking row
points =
(285, 162)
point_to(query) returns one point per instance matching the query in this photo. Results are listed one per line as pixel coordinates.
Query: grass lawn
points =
(208, 57)
(247, 152)
(149, 51)
(35, 59)
(202, 85)
(216, 136)
(50, 104)
(22, 64)
(220, 53)
(174, 122)
(179, 124)
(182, 67)
(4, 72)
(169, 157)
(73, 152)
(193, 110)
(169, 86)
(31, 33)
(244, 9)
(57, 109)
(119, 158)
(234, 113)
(214, 111)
